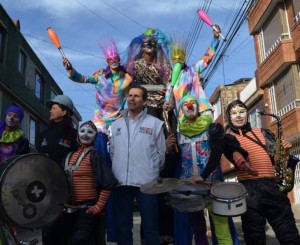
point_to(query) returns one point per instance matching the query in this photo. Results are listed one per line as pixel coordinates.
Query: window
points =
(22, 62)
(273, 31)
(282, 91)
(53, 94)
(296, 8)
(255, 119)
(38, 86)
(32, 131)
(2, 43)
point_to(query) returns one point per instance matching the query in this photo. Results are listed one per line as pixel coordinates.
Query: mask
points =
(87, 134)
(178, 55)
(238, 116)
(149, 44)
(115, 61)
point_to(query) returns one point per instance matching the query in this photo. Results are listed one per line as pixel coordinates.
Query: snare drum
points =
(31, 188)
(189, 198)
(228, 199)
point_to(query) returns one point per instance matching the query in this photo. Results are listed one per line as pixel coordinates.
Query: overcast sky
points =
(81, 24)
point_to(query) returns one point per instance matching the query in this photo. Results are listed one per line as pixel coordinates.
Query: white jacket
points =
(140, 161)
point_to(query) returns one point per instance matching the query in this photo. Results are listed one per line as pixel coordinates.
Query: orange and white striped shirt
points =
(84, 185)
(258, 159)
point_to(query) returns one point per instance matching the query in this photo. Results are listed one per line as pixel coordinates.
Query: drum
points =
(189, 198)
(6, 236)
(32, 187)
(228, 199)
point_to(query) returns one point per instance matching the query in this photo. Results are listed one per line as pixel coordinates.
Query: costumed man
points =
(250, 149)
(111, 86)
(91, 181)
(186, 79)
(12, 141)
(201, 144)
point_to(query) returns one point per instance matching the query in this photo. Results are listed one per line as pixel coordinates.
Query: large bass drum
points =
(32, 189)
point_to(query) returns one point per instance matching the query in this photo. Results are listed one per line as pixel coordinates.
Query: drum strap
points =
(70, 168)
(194, 156)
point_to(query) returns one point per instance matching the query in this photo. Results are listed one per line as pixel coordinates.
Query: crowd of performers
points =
(153, 120)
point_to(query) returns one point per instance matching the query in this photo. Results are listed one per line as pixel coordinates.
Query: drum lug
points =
(229, 205)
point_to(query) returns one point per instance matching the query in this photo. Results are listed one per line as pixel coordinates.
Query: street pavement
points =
(271, 240)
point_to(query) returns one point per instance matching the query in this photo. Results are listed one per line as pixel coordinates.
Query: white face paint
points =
(190, 108)
(12, 120)
(238, 116)
(86, 134)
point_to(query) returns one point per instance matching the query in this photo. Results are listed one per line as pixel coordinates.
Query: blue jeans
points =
(148, 206)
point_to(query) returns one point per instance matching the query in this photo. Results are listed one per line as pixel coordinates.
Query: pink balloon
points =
(203, 16)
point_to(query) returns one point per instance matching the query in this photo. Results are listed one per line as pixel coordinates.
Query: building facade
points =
(24, 81)
(275, 26)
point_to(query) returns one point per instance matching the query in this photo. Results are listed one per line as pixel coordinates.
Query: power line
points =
(107, 22)
(122, 13)
(237, 22)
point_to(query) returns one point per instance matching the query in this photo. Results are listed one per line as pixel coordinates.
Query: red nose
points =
(189, 106)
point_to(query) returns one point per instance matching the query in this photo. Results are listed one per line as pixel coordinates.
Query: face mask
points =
(178, 56)
(86, 134)
(238, 116)
(149, 43)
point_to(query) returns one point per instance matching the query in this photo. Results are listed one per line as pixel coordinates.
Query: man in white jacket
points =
(138, 154)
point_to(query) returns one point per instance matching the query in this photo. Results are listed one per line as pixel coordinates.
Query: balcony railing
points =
(275, 44)
(289, 107)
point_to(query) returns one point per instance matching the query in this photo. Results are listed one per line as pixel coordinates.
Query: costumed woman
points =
(149, 64)
(90, 180)
(111, 86)
(252, 152)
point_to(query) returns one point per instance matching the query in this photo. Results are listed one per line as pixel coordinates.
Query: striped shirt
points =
(259, 160)
(84, 185)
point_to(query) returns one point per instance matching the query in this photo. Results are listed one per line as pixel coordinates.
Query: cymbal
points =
(160, 185)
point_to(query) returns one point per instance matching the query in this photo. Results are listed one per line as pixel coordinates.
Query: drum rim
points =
(2, 209)
(224, 199)
(228, 200)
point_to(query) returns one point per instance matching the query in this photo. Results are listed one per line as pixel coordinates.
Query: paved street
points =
(271, 240)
